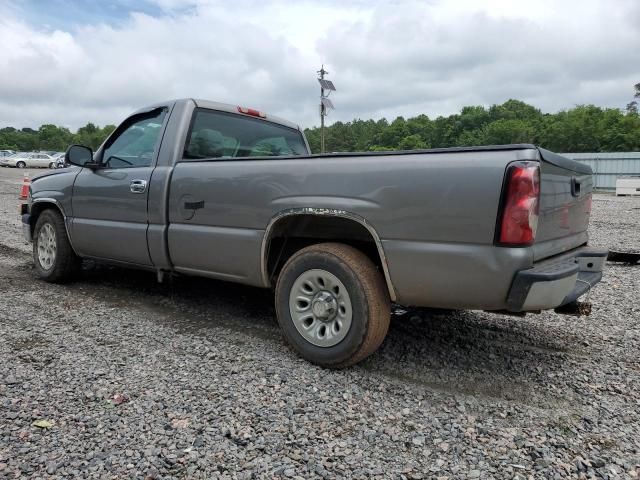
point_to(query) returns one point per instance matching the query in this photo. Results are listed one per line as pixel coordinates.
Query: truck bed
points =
(434, 211)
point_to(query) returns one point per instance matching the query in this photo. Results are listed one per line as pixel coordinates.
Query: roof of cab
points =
(226, 107)
(223, 107)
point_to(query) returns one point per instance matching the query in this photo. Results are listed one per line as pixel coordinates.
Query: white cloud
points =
(386, 58)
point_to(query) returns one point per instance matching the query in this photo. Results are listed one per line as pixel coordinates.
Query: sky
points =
(69, 62)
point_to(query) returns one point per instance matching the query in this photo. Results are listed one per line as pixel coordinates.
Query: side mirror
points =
(80, 156)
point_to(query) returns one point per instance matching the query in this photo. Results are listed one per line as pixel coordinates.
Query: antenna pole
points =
(322, 72)
(325, 103)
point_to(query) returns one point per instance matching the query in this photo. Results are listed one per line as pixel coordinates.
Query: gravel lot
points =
(193, 380)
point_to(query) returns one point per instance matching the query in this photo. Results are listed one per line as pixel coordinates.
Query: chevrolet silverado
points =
(202, 188)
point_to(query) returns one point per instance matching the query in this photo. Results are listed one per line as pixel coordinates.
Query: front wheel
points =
(21, 165)
(52, 165)
(54, 258)
(332, 305)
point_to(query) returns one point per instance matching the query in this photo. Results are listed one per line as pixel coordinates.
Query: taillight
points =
(521, 205)
(252, 111)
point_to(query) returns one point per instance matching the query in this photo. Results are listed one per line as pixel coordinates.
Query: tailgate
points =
(565, 205)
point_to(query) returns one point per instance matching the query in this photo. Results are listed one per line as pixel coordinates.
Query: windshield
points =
(217, 134)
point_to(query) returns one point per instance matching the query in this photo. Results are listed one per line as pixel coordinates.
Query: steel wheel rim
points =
(320, 308)
(47, 246)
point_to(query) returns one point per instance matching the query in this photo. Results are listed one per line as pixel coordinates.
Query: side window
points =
(136, 142)
(216, 134)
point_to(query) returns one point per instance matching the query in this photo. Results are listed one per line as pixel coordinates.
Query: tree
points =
(412, 142)
(505, 131)
(51, 137)
(632, 107)
(514, 110)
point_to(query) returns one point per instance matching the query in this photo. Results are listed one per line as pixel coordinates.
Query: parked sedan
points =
(23, 160)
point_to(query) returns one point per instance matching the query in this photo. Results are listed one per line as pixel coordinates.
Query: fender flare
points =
(323, 212)
(55, 203)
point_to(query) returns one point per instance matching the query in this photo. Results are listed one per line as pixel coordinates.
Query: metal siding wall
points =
(607, 170)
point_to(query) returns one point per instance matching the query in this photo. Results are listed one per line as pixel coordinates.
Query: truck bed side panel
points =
(454, 275)
(419, 201)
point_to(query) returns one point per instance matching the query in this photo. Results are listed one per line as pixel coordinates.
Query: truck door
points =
(110, 203)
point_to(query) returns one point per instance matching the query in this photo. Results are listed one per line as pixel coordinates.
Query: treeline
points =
(585, 128)
(52, 137)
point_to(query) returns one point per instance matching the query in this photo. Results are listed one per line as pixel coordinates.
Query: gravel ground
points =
(193, 380)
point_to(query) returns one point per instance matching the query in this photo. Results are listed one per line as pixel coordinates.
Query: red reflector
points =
(521, 206)
(252, 111)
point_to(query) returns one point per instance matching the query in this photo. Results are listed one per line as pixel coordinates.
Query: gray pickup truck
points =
(201, 188)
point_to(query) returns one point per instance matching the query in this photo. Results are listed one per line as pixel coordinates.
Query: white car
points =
(23, 160)
(58, 158)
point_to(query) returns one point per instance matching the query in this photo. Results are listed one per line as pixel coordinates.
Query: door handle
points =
(138, 186)
(194, 205)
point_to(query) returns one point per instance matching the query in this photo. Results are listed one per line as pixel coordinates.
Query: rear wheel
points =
(332, 304)
(21, 165)
(52, 165)
(53, 256)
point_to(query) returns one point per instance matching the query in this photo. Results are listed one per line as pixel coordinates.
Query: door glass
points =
(215, 134)
(135, 145)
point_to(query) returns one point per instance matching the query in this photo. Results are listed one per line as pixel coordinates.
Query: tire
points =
(52, 165)
(356, 286)
(21, 165)
(55, 262)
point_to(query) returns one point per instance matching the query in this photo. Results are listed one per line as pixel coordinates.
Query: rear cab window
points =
(216, 134)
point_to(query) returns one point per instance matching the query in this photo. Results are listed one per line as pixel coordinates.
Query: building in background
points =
(607, 167)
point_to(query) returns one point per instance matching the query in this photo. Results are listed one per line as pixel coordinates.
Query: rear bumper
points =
(557, 281)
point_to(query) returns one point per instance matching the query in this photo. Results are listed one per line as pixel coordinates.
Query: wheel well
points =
(295, 232)
(37, 209)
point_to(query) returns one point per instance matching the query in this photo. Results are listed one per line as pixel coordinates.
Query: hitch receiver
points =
(632, 258)
(577, 309)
